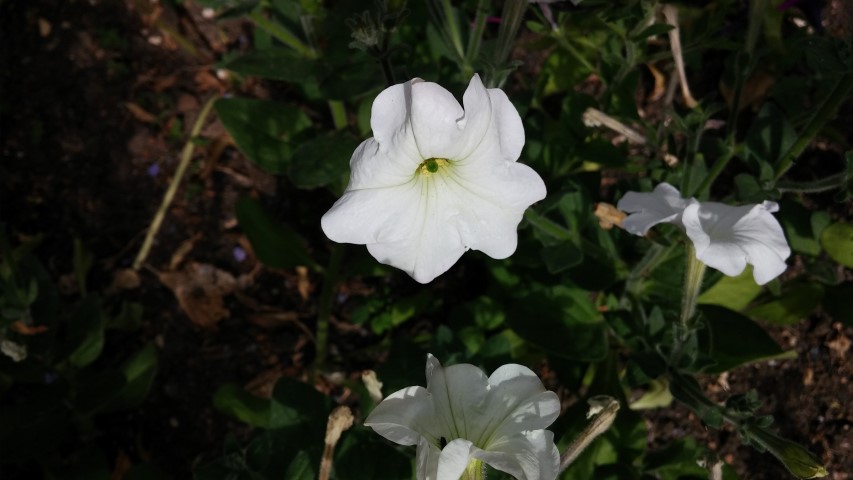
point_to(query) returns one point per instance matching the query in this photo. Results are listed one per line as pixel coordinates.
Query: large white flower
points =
(463, 417)
(436, 180)
(725, 237)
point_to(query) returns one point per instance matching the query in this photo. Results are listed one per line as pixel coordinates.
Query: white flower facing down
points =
(463, 417)
(436, 180)
(725, 237)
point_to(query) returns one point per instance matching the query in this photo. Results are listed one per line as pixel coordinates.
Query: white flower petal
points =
(517, 401)
(663, 205)
(435, 120)
(371, 166)
(510, 130)
(427, 460)
(372, 215)
(727, 238)
(391, 121)
(404, 417)
(527, 456)
(454, 459)
(458, 392)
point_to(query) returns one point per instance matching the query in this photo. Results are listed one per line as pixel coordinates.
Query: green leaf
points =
(799, 461)
(86, 332)
(295, 402)
(322, 160)
(656, 29)
(802, 227)
(837, 240)
(275, 245)
(234, 401)
(732, 339)
(301, 468)
(798, 300)
(734, 293)
(770, 135)
(274, 63)
(139, 372)
(364, 455)
(561, 320)
(262, 129)
(561, 257)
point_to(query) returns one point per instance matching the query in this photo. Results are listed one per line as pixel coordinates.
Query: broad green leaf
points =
(562, 256)
(301, 468)
(86, 332)
(731, 339)
(837, 240)
(797, 301)
(769, 135)
(274, 63)
(560, 320)
(802, 227)
(275, 245)
(295, 403)
(734, 293)
(322, 160)
(236, 402)
(139, 372)
(262, 129)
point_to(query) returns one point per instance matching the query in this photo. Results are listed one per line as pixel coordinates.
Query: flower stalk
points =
(327, 296)
(693, 276)
(604, 410)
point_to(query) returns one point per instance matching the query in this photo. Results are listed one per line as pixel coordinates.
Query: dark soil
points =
(95, 103)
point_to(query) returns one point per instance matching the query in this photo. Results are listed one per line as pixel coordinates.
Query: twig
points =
(186, 156)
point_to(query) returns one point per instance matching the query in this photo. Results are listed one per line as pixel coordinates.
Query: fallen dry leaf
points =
(140, 113)
(24, 329)
(200, 289)
(124, 279)
(608, 215)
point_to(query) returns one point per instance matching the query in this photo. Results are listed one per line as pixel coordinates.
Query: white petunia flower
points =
(663, 205)
(725, 237)
(463, 418)
(436, 180)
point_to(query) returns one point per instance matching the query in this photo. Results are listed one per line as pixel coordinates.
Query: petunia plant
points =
(592, 159)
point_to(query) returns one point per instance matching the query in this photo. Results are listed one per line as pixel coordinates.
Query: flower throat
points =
(432, 165)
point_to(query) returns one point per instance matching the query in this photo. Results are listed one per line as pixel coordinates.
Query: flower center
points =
(432, 165)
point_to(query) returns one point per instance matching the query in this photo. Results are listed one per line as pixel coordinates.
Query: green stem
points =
(718, 167)
(186, 156)
(840, 91)
(327, 297)
(692, 285)
(511, 16)
(475, 38)
(453, 28)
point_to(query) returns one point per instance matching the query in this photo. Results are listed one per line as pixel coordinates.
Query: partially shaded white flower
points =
(663, 205)
(436, 180)
(463, 417)
(727, 238)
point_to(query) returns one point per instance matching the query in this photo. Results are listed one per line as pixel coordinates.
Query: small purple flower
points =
(239, 253)
(787, 4)
(153, 170)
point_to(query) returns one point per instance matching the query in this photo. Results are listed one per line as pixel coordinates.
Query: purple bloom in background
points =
(787, 4)
(239, 253)
(153, 170)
